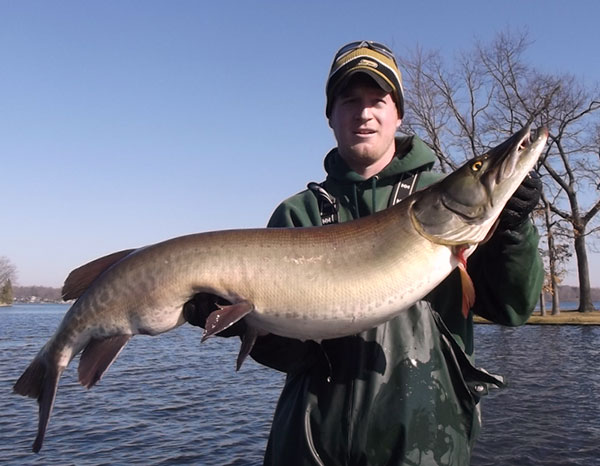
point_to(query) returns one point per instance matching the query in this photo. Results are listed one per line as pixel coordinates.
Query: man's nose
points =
(364, 113)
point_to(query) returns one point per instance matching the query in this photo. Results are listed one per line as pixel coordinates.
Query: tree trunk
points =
(585, 294)
(555, 297)
(542, 303)
(551, 259)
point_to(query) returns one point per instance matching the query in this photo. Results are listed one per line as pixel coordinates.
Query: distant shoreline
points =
(566, 317)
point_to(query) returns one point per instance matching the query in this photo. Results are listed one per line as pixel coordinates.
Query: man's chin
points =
(363, 151)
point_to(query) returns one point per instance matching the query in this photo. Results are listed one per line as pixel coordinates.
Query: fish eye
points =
(477, 165)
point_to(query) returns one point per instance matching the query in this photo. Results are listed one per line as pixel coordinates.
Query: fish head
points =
(462, 208)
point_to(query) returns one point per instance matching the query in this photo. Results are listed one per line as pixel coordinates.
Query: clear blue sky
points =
(123, 123)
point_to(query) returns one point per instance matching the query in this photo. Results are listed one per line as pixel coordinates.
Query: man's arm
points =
(508, 275)
(507, 271)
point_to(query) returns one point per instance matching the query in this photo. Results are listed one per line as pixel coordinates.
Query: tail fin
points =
(40, 380)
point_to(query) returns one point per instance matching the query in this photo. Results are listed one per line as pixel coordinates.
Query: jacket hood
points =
(411, 154)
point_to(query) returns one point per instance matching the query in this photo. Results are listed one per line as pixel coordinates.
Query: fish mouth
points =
(505, 159)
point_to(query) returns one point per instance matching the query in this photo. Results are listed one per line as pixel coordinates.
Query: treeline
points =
(571, 293)
(40, 293)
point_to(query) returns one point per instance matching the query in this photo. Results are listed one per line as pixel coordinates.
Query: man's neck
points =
(371, 170)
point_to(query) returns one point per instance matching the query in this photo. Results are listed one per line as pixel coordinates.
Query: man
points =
(404, 392)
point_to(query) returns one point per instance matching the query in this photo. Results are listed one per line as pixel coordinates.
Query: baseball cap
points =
(371, 58)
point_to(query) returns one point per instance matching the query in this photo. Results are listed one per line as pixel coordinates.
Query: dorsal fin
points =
(82, 277)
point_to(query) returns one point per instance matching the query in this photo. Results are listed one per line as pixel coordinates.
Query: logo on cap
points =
(365, 62)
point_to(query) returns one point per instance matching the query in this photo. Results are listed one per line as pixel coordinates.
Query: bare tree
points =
(427, 111)
(569, 110)
(575, 171)
(444, 106)
(7, 270)
(555, 253)
(491, 92)
(7, 275)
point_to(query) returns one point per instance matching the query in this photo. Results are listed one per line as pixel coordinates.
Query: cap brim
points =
(382, 83)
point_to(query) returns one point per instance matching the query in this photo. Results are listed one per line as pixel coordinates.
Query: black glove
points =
(197, 310)
(522, 202)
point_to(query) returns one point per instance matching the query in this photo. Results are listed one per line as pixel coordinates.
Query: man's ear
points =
(330, 119)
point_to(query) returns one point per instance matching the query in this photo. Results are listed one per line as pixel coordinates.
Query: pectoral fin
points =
(224, 317)
(468, 289)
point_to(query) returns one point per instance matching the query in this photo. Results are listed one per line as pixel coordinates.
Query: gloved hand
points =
(522, 202)
(197, 310)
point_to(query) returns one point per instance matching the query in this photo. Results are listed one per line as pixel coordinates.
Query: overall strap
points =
(403, 188)
(329, 205)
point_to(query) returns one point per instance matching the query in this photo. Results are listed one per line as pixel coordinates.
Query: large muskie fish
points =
(306, 283)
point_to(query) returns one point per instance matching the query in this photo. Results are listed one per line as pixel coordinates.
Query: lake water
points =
(169, 400)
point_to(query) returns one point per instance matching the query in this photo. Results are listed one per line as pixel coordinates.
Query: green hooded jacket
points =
(405, 392)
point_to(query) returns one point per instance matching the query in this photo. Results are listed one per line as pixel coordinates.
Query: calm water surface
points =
(170, 400)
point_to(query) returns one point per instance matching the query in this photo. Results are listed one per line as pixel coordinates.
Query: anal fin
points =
(97, 357)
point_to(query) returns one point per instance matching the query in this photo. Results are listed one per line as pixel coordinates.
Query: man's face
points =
(364, 120)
